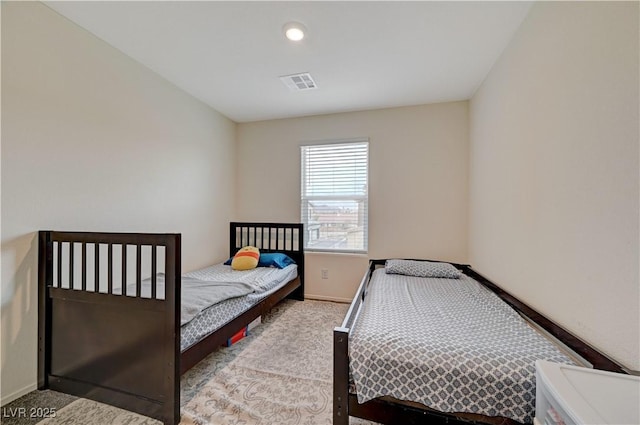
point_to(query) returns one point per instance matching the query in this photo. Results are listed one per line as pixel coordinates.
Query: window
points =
(334, 196)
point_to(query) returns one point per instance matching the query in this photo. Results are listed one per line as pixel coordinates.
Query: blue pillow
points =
(275, 259)
(270, 259)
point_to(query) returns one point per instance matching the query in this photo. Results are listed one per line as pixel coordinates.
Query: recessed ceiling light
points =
(294, 31)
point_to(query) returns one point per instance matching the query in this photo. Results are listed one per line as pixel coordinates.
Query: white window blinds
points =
(335, 196)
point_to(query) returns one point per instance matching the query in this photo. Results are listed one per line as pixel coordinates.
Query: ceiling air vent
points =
(297, 82)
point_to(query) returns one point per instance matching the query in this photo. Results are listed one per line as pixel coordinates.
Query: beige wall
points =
(418, 159)
(554, 171)
(92, 140)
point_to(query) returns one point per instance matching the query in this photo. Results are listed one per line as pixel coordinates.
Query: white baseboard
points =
(4, 400)
(325, 298)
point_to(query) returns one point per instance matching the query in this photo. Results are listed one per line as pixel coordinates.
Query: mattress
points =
(450, 344)
(265, 280)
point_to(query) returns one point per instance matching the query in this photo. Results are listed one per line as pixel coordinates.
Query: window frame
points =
(364, 197)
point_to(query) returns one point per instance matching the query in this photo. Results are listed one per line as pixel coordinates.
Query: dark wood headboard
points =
(270, 237)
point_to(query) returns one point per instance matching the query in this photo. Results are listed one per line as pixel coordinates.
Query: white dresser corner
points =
(575, 395)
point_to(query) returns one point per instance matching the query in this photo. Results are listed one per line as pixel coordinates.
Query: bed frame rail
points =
(98, 327)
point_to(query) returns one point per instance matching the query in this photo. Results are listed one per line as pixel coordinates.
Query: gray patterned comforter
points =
(449, 344)
(265, 280)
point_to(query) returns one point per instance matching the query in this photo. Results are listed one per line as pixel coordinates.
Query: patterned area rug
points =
(280, 374)
(283, 376)
(89, 412)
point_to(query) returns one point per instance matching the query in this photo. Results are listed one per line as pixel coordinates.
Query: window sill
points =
(341, 254)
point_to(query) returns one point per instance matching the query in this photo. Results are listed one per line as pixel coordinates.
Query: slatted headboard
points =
(270, 237)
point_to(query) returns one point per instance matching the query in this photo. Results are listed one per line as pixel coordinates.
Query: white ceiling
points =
(362, 55)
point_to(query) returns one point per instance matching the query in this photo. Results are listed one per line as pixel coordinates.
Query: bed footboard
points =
(104, 334)
(341, 352)
(341, 376)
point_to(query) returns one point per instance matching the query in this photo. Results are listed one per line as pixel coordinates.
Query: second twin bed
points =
(435, 342)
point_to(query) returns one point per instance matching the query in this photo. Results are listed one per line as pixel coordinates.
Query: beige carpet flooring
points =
(280, 374)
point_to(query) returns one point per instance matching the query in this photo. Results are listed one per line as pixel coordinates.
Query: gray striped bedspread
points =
(196, 295)
(450, 344)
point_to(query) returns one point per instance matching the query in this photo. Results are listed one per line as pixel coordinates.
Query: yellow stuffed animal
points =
(246, 258)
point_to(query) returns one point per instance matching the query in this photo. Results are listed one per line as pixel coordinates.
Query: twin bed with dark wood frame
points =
(387, 410)
(124, 350)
